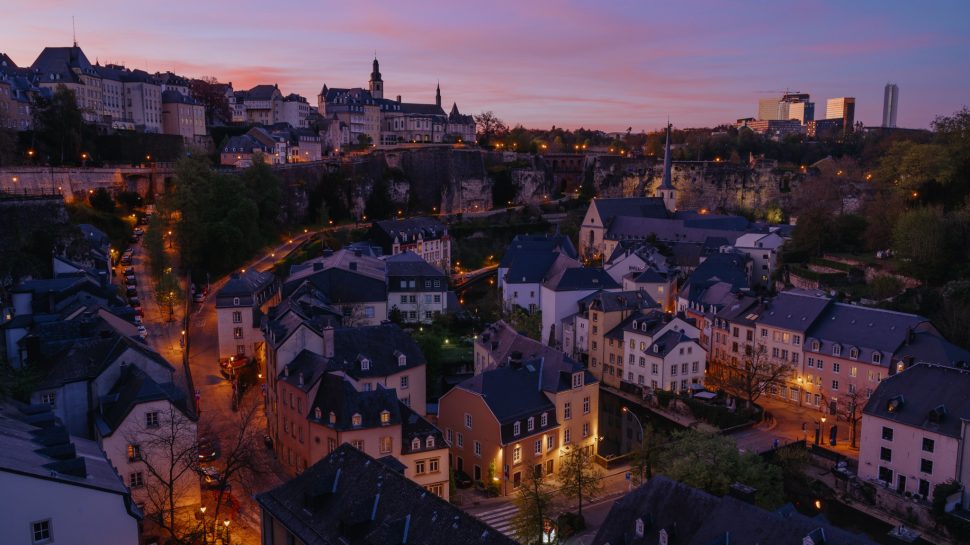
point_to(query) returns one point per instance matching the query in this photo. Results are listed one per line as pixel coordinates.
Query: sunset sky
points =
(598, 64)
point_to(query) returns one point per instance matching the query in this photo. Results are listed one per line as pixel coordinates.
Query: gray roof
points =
(693, 517)
(530, 268)
(350, 498)
(581, 278)
(406, 230)
(246, 286)
(60, 62)
(260, 92)
(666, 343)
(172, 96)
(676, 229)
(513, 394)
(928, 397)
(32, 443)
(634, 207)
(336, 394)
(523, 245)
(870, 330)
(612, 301)
(133, 388)
(411, 264)
(381, 345)
(739, 310)
(88, 358)
(795, 310)
(929, 347)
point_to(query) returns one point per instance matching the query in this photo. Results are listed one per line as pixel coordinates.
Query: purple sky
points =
(606, 65)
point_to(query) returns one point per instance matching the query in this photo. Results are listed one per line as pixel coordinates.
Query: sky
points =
(598, 64)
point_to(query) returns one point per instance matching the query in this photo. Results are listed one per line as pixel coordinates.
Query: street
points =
(786, 427)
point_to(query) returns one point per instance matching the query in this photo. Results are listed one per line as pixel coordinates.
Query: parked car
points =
(138, 320)
(130, 280)
(211, 478)
(134, 302)
(199, 297)
(137, 309)
(462, 480)
(208, 449)
(229, 367)
(142, 331)
(126, 259)
(130, 291)
(133, 239)
(139, 231)
(129, 271)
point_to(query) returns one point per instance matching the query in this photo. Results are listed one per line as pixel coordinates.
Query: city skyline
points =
(542, 65)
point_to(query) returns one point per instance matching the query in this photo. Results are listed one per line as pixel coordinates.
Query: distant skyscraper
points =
(841, 108)
(890, 103)
(789, 106)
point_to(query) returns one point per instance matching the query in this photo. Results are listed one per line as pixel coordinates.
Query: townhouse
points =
(415, 289)
(426, 237)
(661, 351)
(605, 312)
(351, 282)
(240, 306)
(560, 294)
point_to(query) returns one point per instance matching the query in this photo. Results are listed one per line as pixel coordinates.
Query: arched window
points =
(333, 418)
(429, 442)
(415, 444)
(317, 413)
(357, 420)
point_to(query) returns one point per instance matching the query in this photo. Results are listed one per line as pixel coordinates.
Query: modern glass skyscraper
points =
(890, 103)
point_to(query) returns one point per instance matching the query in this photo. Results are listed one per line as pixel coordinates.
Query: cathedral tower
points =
(376, 84)
(666, 190)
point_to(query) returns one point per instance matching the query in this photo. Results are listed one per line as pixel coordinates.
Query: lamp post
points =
(626, 410)
(228, 538)
(822, 430)
(202, 510)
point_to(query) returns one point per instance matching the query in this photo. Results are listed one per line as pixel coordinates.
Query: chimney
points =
(328, 341)
(398, 99)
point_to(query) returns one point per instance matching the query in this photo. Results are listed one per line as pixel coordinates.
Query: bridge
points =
(462, 280)
(74, 182)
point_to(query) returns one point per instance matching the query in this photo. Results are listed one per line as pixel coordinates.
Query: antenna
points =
(74, 30)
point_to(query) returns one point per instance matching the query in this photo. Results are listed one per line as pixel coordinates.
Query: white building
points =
(521, 285)
(239, 307)
(763, 249)
(55, 488)
(415, 288)
(559, 295)
(656, 349)
(295, 110)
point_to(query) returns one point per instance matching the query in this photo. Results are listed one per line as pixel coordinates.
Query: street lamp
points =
(228, 539)
(202, 509)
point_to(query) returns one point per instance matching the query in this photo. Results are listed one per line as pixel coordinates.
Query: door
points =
(549, 467)
(461, 464)
(478, 473)
(900, 484)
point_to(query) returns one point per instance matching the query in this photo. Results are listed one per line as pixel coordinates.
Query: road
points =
(786, 427)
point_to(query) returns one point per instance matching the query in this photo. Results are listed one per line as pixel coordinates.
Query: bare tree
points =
(168, 454)
(535, 502)
(849, 408)
(580, 478)
(489, 125)
(752, 375)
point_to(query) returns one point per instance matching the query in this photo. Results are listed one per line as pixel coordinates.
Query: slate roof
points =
(380, 344)
(406, 230)
(414, 426)
(930, 397)
(244, 144)
(86, 359)
(342, 286)
(336, 394)
(738, 311)
(349, 498)
(244, 286)
(530, 268)
(513, 394)
(534, 244)
(133, 388)
(353, 258)
(612, 301)
(261, 92)
(33, 443)
(411, 264)
(172, 96)
(666, 343)
(581, 278)
(870, 330)
(649, 276)
(674, 230)
(304, 371)
(60, 61)
(929, 347)
(654, 319)
(635, 207)
(422, 109)
(693, 517)
(795, 310)
(723, 267)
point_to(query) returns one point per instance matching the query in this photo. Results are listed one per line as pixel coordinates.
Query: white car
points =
(142, 331)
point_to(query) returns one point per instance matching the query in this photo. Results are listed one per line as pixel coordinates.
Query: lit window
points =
(357, 420)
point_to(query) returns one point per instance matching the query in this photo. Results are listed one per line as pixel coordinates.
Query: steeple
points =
(376, 85)
(437, 95)
(666, 189)
(375, 74)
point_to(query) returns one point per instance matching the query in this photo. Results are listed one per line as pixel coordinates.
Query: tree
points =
(524, 322)
(920, 236)
(168, 455)
(211, 94)
(580, 477)
(712, 462)
(849, 408)
(535, 501)
(101, 201)
(752, 375)
(59, 126)
(644, 458)
(489, 125)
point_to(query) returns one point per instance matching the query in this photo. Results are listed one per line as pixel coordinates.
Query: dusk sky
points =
(606, 65)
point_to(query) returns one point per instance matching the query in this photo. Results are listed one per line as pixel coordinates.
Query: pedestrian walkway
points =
(500, 518)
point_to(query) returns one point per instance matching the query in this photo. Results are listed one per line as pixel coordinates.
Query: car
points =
(126, 259)
(199, 297)
(462, 480)
(232, 365)
(131, 291)
(130, 280)
(142, 331)
(133, 239)
(211, 478)
(208, 449)
(138, 320)
(137, 309)
(129, 271)
(134, 302)
(139, 231)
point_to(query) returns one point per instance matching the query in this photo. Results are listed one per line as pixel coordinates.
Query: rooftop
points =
(929, 397)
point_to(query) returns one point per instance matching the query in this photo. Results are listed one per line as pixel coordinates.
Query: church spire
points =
(437, 95)
(665, 183)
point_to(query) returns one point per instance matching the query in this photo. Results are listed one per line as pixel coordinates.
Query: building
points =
(426, 237)
(841, 108)
(350, 282)
(240, 306)
(261, 105)
(381, 121)
(524, 414)
(763, 249)
(147, 429)
(665, 511)
(602, 213)
(57, 487)
(68, 66)
(791, 106)
(915, 429)
(733, 335)
(241, 151)
(775, 128)
(890, 105)
(415, 289)
(638, 265)
(521, 283)
(183, 116)
(660, 351)
(350, 497)
(16, 95)
(295, 110)
(560, 294)
(605, 313)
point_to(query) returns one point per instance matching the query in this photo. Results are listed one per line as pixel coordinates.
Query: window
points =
(136, 480)
(236, 317)
(835, 385)
(358, 444)
(815, 346)
(402, 360)
(404, 298)
(151, 419)
(928, 444)
(241, 349)
(886, 454)
(49, 398)
(385, 418)
(577, 380)
(820, 364)
(333, 418)
(356, 420)
(876, 357)
(461, 440)
(386, 445)
(433, 465)
(134, 453)
(531, 423)
(516, 455)
(853, 353)
(887, 433)
(419, 467)
(926, 466)
(796, 340)
(673, 370)
(237, 333)
(836, 350)
(543, 420)
(404, 383)
(585, 429)
(653, 368)
(853, 371)
(550, 442)
(436, 489)
(468, 421)
(516, 428)
(567, 410)
(477, 447)
(836, 367)
(235, 301)
(538, 446)
(586, 405)
(41, 531)
(694, 367)
(566, 437)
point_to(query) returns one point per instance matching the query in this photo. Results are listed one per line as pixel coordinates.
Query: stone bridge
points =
(75, 183)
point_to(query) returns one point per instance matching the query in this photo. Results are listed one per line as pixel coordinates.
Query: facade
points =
(521, 413)
(295, 110)
(521, 284)
(841, 108)
(68, 66)
(240, 305)
(560, 294)
(351, 497)
(426, 237)
(661, 352)
(914, 431)
(415, 288)
(890, 105)
(16, 92)
(261, 105)
(605, 313)
(59, 488)
(182, 115)
(763, 249)
(791, 106)
(350, 283)
(241, 151)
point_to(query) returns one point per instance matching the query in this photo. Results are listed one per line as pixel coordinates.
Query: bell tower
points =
(666, 189)
(376, 84)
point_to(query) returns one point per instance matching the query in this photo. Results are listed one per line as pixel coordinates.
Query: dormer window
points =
(876, 357)
(531, 424)
(578, 380)
(429, 442)
(357, 420)
(853, 353)
(895, 404)
(415, 444)
(317, 413)
(516, 428)
(656, 349)
(402, 360)
(235, 301)
(385, 418)
(364, 364)
(836, 350)
(333, 418)
(816, 346)
(544, 419)
(639, 527)
(643, 327)
(634, 324)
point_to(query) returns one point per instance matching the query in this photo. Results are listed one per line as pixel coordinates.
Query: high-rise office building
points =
(841, 108)
(890, 102)
(789, 106)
